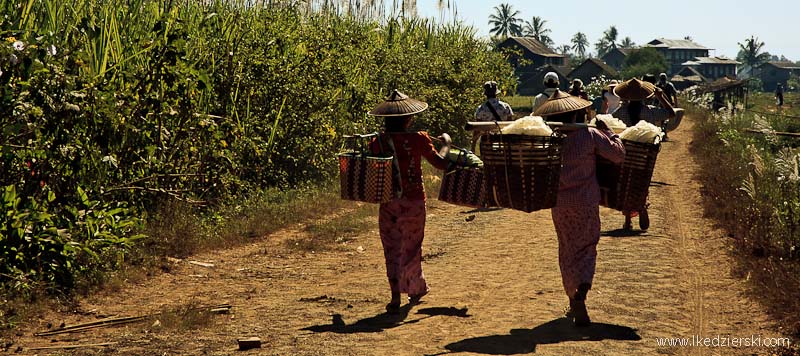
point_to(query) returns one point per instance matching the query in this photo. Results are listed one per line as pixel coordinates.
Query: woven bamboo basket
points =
(364, 176)
(522, 172)
(625, 188)
(463, 186)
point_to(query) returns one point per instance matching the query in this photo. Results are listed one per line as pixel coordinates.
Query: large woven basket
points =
(522, 172)
(463, 186)
(365, 178)
(625, 188)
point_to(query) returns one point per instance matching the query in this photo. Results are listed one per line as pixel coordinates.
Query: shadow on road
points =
(385, 321)
(520, 341)
(623, 233)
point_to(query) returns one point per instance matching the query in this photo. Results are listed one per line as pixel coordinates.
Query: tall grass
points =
(752, 187)
(111, 109)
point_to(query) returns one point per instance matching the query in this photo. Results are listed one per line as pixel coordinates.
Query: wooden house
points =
(678, 52)
(772, 73)
(532, 82)
(713, 67)
(616, 57)
(593, 68)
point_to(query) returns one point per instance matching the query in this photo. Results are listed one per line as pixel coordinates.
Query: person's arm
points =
(665, 103)
(608, 144)
(437, 159)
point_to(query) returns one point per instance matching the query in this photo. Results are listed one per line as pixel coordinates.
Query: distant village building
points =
(713, 67)
(616, 57)
(687, 77)
(772, 73)
(678, 52)
(531, 63)
(593, 68)
(531, 83)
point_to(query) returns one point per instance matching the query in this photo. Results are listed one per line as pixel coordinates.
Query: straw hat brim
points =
(635, 90)
(398, 104)
(561, 103)
(399, 108)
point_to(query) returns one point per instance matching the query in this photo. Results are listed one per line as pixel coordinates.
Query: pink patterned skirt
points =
(578, 230)
(402, 227)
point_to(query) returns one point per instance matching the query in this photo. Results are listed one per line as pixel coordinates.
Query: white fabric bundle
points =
(528, 125)
(613, 123)
(644, 132)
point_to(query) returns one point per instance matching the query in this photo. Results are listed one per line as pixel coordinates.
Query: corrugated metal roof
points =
(710, 60)
(785, 65)
(605, 67)
(674, 44)
(533, 45)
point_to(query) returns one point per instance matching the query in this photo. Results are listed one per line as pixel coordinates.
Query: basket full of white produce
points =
(522, 165)
(625, 187)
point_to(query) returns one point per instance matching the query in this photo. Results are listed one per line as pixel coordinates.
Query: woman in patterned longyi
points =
(401, 221)
(576, 215)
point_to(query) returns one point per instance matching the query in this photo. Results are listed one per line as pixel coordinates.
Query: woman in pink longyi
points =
(401, 221)
(576, 215)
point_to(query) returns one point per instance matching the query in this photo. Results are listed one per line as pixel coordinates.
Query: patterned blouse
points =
(578, 183)
(503, 110)
(411, 148)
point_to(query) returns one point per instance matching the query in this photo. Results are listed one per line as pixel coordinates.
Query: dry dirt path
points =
(495, 289)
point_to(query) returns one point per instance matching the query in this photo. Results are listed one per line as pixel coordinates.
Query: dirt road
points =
(495, 289)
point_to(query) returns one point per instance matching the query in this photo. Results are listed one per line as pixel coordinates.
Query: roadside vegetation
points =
(752, 188)
(137, 130)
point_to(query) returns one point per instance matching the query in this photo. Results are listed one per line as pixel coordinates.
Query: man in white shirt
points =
(491, 110)
(551, 85)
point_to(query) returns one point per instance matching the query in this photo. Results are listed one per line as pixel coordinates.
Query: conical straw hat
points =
(398, 104)
(560, 103)
(635, 90)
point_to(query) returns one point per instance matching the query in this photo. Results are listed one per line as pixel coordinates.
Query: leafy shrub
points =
(108, 108)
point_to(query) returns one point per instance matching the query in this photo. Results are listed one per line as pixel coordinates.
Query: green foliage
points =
(643, 61)
(756, 193)
(793, 84)
(109, 108)
(755, 85)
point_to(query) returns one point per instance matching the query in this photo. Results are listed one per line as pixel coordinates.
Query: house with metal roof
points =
(616, 57)
(772, 73)
(713, 67)
(531, 60)
(593, 68)
(678, 52)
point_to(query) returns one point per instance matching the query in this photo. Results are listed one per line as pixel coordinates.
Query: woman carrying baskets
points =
(401, 221)
(633, 93)
(576, 215)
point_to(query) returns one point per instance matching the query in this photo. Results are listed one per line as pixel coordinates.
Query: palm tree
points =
(750, 52)
(504, 21)
(535, 28)
(607, 42)
(627, 42)
(564, 49)
(579, 44)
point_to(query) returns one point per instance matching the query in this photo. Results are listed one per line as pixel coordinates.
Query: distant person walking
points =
(668, 88)
(633, 93)
(401, 221)
(493, 109)
(578, 90)
(550, 86)
(779, 94)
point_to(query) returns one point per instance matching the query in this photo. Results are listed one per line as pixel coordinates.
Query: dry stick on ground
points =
(77, 346)
(120, 320)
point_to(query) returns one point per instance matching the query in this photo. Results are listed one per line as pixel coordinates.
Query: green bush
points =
(108, 108)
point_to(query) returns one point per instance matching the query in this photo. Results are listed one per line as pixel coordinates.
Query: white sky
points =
(716, 24)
